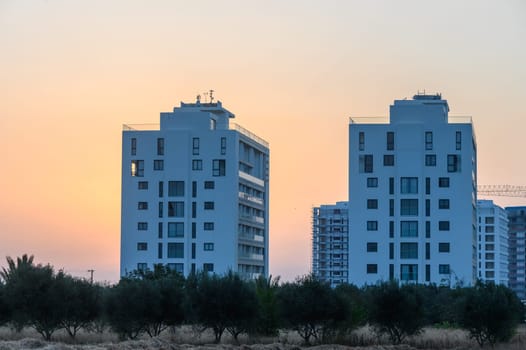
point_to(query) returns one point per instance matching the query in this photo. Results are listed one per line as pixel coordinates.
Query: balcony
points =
(252, 218)
(247, 197)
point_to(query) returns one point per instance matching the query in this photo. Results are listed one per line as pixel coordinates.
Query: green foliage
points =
(311, 308)
(268, 316)
(490, 313)
(355, 308)
(396, 311)
(5, 311)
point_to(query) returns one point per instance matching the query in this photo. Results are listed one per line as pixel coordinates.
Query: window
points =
(391, 229)
(207, 267)
(443, 182)
(408, 207)
(137, 168)
(208, 226)
(428, 251)
(209, 185)
(194, 230)
(372, 204)
(408, 250)
(443, 247)
(372, 225)
(489, 238)
(391, 272)
(213, 123)
(195, 146)
(175, 250)
(194, 189)
(133, 146)
(223, 145)
(193, 250)
(443, 204)
(428, 207)
(175, 188)
(372, 182)
(489, 220)
(158, 164)
(160, 230)
(209, 205)
(160, 147)
(453, 163)
(176, 209)
(194, 210)
(490, 256)
(142, 266)
(490, 274)
(443, 269)
(161, 207)
(142, 226)
(365, 163)
(207, 246)
(408, 228)
(142, 185)
(489, 229)
(428, 185)
(443, 225)
(428, 229)
(361, 141)
(159, 250)
(409, 272)
(408, 185)
(372, 247)
(428, 273)
(429, 140)
(142, 246)
(218, 167)
(490, 246)
(372, 268)
(490, 265)
(390, 140)
(391, 185)
(161, 189)
(388, 160)
(431, 160)
(391, 250)
(458, 140)
(142, 205)
(197, 164)
(177, 267)
(175, 229)
(391, 207)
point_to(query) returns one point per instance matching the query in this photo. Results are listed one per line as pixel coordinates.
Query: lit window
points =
(175, 250)
(408, 228)
(137, 168)
(408, 185)
(175, 229)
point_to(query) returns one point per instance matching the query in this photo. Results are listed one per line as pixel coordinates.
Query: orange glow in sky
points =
(71, 73)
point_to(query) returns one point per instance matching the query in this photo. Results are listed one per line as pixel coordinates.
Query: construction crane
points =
(502, 190)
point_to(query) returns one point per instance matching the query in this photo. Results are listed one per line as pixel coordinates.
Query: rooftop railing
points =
(452, 119)
(242, 130)
(141, 127)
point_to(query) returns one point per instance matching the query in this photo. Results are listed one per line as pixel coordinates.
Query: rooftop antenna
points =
(206, 96)
(211, 96)
(198, 99)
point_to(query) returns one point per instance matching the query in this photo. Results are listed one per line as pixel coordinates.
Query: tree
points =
(311, 308)
(268, 315)
(355, 306)
(396, 311)
(5, 311)
(490, 313)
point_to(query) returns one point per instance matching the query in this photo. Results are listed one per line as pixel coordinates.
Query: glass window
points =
(158, 164)
(366, 163)
(160, 209)
(391, 229)
(489, 220)
(175, 229)
(408, 207)
(197, 164)
(428, 207)
(409, 272)
(443, 182)
(372, 182)
(391, 207)
(388, 160)
(142, 246)
(133, 146)
(372, 247)
(428, 229)
(209, 205)
(391, 185)
(142, 226)
(194, 189)
(195, 146)
(177, 267)
(218, 167)
(391, 250)
(175, 250)
(428, 185)
(408, 228)
(443, 269)
(390, 140)
(443, 204)
(142, 205)
(372, 225)
(143, 185)
(453, 163)
(160, 146)
(142, 266)
(372, 204)
(176, 209)
(443, 225)
(408, 250)
(175, 188)
(207, 267)
(159, 250)
(208, 226)
(443, 247)
(208, 246)
(429, 140)
(223, 145)
(489, 229)
(428, 251)
(137, 168)
(431, 160)
(372, 268)
(408, 185)
(161, 189)
(160, 230)
(458, 140)
(209, 185)
(361, 141)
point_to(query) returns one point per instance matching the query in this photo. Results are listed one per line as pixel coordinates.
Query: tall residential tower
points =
(412, 196)
(195, 194)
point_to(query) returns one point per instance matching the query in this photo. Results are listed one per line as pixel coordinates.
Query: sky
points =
(293, 72)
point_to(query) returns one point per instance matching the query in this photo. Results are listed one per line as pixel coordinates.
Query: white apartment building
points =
(195, 194)
(412, 196)
(492, 242)
(517, 250)
(330, 243)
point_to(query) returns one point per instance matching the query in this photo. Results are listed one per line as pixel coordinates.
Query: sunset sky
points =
(293, 72)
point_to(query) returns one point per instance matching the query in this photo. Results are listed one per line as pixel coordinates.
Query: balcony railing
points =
(248, 197)
(253, 218)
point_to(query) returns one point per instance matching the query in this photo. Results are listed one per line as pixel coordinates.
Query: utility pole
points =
(91, 278)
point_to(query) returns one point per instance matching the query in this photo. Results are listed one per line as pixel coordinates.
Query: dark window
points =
(429, 140)
(372, 246)
(223, 145)
(443, 182)
(408, 228)
(160, 147)
(143, 185)
(443, 225)
(197, 164)
(431, 160)
(218, 167)
(195, 146)
(137, 168)
(428, 273)
(175, 229)
(489, 220)
(408, 185)
(428, 251)
(372, 268)
(142, 226)
(391, 229)
(194, 189)
(133, 146)
(160, 230)
(142, 246)
(388, 160)
(158, 164)
(142, 205)
(208, 226)
(176, 209)
(391, 185)
(408, 250)
(390, 140)
(408, 207)
(209, 205)
(391, 207)
(443, 269)
(428, 229)
(209, 185)
(453, 163)
(175, 250)
(194, 210)
(178, 267)
(159, 250)
(443, 247)
(391, 250)
(372, 182)
(208, 246)
(161, 189)
(391, 272)
(409, 272)
(366, 163)
(372, 204)
(361, 141)
(193, 250)
(443, 204)
(175, 188)
(428, 185)
(458, 140)
(142, 266)
(208, 267)
(489, 229)
(428, 207)
(161, 207)
(194, 230)
(372, 225)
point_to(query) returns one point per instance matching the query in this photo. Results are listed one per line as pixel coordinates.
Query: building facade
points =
(517, 250)
(330, 243)
(195, 194)
(412, 196)
(492, 242)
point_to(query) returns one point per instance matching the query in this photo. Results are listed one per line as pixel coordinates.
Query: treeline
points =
(150, 302)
